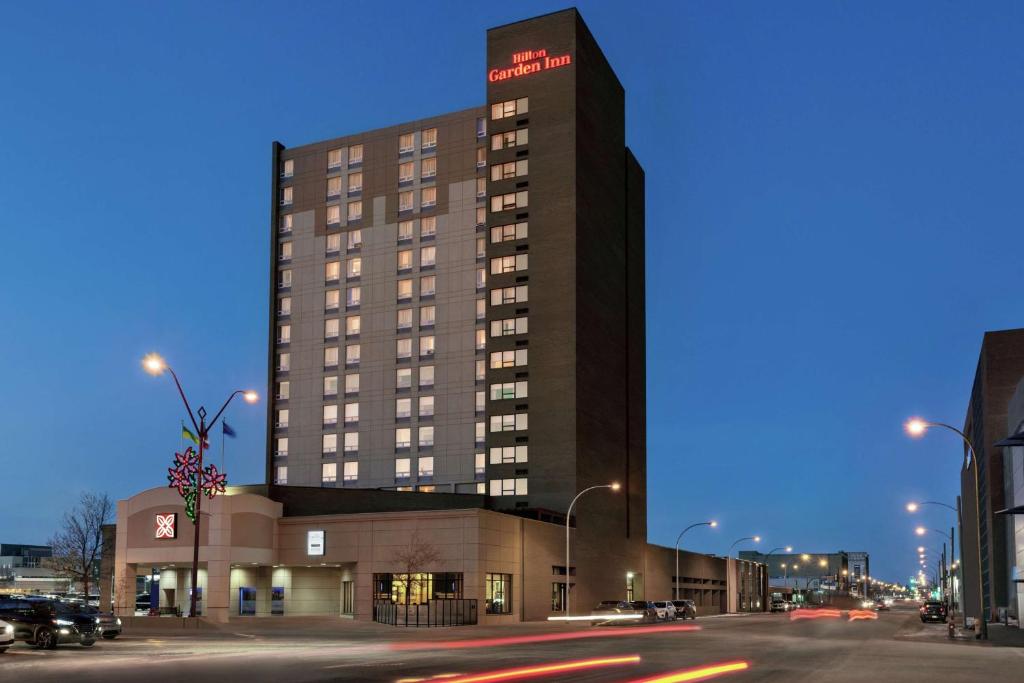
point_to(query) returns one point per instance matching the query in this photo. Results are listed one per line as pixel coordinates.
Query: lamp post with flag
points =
(188, 465)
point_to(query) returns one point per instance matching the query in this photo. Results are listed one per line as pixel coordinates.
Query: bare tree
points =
(414, 560)
(78, 544)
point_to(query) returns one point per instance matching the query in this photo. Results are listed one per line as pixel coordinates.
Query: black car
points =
(933, 610)
(47, 623)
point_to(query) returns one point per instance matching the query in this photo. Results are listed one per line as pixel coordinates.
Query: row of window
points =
(407, 169)
(354, 184)
(407, 141)
(504, 110)
(403, 347)
(329, 471)
(403, 376)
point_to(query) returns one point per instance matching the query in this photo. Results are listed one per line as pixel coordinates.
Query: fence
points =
(440, 612)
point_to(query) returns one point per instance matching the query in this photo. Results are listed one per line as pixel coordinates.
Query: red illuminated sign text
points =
(528, 62)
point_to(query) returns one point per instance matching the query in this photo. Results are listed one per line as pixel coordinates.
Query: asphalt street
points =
(892, 648)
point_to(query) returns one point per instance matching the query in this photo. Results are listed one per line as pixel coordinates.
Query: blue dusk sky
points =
(833, 220)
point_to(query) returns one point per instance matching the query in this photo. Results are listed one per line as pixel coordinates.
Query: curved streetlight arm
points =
(935, 502)
(678, 539)
(738, 541)
(230, 398)
(181, 391)
(970, 446)
(568, 519)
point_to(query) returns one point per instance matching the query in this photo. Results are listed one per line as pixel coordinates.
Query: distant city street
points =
(894, 647)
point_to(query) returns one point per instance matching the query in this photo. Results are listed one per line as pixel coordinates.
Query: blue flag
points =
(228, 431)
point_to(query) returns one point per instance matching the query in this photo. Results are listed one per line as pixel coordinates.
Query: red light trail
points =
(859, 614)
(701, 673)
(541, 638)
(538, 670)
(815, 614)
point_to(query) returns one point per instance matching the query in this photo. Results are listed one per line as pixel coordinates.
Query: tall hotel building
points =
(457, 302)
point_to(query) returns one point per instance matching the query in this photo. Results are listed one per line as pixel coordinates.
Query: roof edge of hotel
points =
(571, 8)
(382, 129)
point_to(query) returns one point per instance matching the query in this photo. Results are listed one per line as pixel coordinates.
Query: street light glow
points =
(615, 486)
(920, 548)
(712, 523)
(920, 531)
(154, 364)
(805, 557)
(251, 396)
(916, 427)
(912, 507)
(757, 539)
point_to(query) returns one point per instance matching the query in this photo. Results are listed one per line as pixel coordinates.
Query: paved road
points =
(893, 648)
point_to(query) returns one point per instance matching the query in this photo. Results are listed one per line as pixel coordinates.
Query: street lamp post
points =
(711, 524)
(917, 427)
(568, 517)
(155, 365)
(755, 539)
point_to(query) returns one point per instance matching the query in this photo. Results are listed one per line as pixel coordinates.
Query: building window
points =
(481, 188)
(428, 257)
(405, 201)
(428, 226)
(510, 295)
(509, 264)
(406, 143)
(428, 138)
(283, 390)
(287, 168)
(333, 187)
(403, 437)
(282, 418)
(405, 172)
(333, 244)
(481, 216)
(284, 305)
(404, 231)
(481, 157)
(509, 326)
(354, 267)
(428, 197)
(480, 340)
(403, 408)
(481, 278)
(330, 444)
(428, 167)
(331, 329)
(513, 138)
(509, 201)
(511, 169)
(403, 378)
(404, 260)
(351, 442)
(287, 221)
(508, 454)
(426, 437)
(281, 476)
(351, 413)
(499, 594)
(329, 472)
(481, 309)
(333, 159)
(480, 401)
(355, 155)
(331, 357)
(330, 416)
(355, 182)
(513, 422)
(403, 349)
(285, 278)
(287, 195)
(351, 383)
(285, 252)
(332, 271)
(558, 595)
(425, 466)
(404, 319)
(508, 359)
(428, 285)
(508, 233)
(355, 211)
(427, 316)
(479, 464)
(481, 371)
(480, 431)
(353, 325)
(402, 467)
(481, 127)
(282, 446)
(351, 470)
(284, 362)
(330, 387)
(284, 334)
(426, 376)
(507, 390)
(332, 299)
(353, 296)
(503, 110)
(354, 239)
(352, 354)
(481, 247)
(426, 406)
(426, 346)
(404, 290)
(509, 487)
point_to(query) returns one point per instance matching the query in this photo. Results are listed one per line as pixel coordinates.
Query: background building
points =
(23, 569)
(841, 571)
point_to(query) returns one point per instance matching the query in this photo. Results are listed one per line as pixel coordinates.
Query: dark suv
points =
(933, 610)
(47, 623)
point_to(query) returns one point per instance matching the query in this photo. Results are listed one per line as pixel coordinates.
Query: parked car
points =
(638, 610)
(778, 606)
(685, 609)
(107, 625)
(933, 610)
(47, 623)
(666, 610)
(6, 636)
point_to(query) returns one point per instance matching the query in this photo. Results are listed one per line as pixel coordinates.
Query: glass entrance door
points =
(247, 601)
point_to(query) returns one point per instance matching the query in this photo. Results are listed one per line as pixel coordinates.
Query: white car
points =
(6, 636)
(666, 610)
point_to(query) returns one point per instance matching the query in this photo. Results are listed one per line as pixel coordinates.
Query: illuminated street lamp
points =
(755, 539)
(155, 365)
(711, 523)
(614, 486)
(914, 507)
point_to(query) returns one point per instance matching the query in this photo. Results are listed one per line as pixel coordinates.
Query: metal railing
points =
(438, 612)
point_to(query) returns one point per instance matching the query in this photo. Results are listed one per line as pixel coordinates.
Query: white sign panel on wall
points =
(315, 542)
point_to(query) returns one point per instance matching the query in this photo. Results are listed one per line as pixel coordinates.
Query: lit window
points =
(481, 157)
(285, 279)
(426, 437)
(402, 466)
(333, 214)
(428, 197)
(333, 243)
(334, 187)
(481, 278)
(354, 267)
(479, 401)
(428, 138)
(426, 346)
(508, 233)
(352, 384)
(515, 422)
(403, 348)
(508, 454)
(287, 221)
(481, 247)
(281, 477)
(481, 216)
(481, 127)
(333, 159)
(283, 390)
(428, 226)
(426, 407)
(351, 441)
(513, 138)
(287, 194)
(406, 143)
(354, 240)
(282, 418)
(284, 334)
(481, 187)
(425, 466)
(428, 256)
(329, 470)
(330, 386)
(331, 329)
(509, 326)
(479, 463)
(404, 290)
(355, 182)
(509, 295)
(330, 415)
(355, 155)
(503, 110)
(353, 325)
(332, 271)
(329, 444)
(403, 378)
(427, 315)
(509, 487)
(508, 359)
(508, 390)
(331, 357)
(404, 230)
(284, 305)
(288, 168)
(481, 309)
(481, 371)
(282, 446)
(428, 285)
(332, 299)
(509, 264)
(355, 211)
(353, 296)
(405, 201)
(428, 167)
(351, 470)
(480, 431)
(284, 362)
(403, 437)
(512, 200)
(352, 354)
(498, 596)
(404, 318)
(405, 260)
(405, 172)
(511, 169)
(426, 376)
(403, 407)
(351, 413)
(481, 340)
